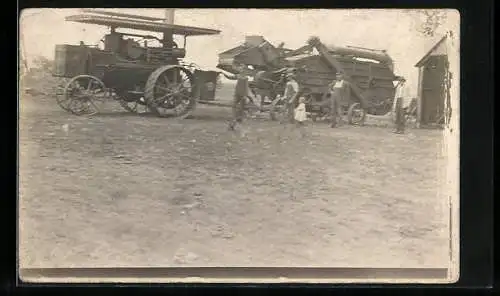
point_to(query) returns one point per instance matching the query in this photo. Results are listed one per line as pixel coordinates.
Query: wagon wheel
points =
(378, 98)
(61, 99)
(410, 117)
(171, 92)
(278, 110)
(84, 95)
(250, 108)
(263, 94)
(356, 115)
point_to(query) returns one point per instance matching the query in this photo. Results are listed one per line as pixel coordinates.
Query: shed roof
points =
(429, 53)
(140, 23)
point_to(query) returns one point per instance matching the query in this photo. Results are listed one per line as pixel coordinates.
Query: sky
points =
(389, 29)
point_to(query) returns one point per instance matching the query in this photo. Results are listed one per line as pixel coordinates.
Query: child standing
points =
(301, 115)
(300, 112)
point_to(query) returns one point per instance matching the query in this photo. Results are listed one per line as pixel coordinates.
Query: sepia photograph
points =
(290, 139)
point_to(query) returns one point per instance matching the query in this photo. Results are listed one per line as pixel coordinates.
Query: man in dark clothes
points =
(261, 79)
(400, 116)
(241, 93)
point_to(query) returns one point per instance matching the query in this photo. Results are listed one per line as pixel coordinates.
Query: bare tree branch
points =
(428, 21)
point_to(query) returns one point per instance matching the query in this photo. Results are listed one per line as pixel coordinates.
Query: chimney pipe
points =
(168, 37)
(169, 16)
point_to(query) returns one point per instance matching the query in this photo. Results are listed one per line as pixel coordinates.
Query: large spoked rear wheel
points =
(83, 95)
(171, 92)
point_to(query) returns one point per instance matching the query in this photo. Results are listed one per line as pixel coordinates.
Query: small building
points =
(433, 86)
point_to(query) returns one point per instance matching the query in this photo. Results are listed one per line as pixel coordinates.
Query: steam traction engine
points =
(130, 68)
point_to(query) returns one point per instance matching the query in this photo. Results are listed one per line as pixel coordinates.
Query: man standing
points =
(260, 81)
(291, 93)
(241, 93)
(399, 111)
(339, 93)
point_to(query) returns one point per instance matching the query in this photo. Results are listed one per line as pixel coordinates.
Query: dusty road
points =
(125, 190)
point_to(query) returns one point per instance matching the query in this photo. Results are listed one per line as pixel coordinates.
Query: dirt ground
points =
(124, 190)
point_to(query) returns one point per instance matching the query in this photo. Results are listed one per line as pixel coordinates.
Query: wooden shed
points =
(433, 86)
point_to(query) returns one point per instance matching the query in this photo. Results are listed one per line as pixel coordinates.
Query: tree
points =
(429, 21)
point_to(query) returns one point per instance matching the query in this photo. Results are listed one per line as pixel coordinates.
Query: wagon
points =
(134, 69)
(370, 73)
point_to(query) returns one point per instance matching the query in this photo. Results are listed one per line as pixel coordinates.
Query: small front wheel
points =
(84, 95)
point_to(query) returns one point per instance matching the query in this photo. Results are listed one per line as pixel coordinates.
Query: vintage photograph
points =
(291, 138)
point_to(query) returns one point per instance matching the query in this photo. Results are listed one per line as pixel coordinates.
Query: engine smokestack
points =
(169, 16)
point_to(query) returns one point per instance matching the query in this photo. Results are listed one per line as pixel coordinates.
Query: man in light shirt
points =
(339, 93)
(401, 93)
(291, 92)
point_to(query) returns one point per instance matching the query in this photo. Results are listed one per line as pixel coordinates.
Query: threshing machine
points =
(369, 73)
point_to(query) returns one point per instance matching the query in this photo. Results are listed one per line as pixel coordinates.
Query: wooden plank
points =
(335, 64)
(137, 24)
(122, 65)
(127, 15)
